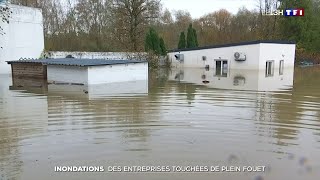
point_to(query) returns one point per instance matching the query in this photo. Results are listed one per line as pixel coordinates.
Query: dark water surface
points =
(171, 121)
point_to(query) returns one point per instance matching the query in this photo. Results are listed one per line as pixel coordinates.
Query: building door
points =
(222, 68)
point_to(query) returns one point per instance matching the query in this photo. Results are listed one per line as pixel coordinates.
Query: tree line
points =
(124, 25)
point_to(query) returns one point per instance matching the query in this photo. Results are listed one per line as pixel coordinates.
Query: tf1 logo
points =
(294, 12)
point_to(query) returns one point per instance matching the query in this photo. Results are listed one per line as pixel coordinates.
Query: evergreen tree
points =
(152, 42)
(155, 42)
(163, 47)
(191, 41)
(303, 30)
(148, 42)
(182, 41)
(196, 37)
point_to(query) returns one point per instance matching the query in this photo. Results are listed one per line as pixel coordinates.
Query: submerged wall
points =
(118, 73)
(23, 36)
(252, 80)
(67, 74)
(97, 74)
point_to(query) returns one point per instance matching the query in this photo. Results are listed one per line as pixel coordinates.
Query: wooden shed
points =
(28, 69)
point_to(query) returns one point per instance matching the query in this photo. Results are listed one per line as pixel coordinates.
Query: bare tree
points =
(182, 20)
(130, 18)
(268, 23)
(4, 17)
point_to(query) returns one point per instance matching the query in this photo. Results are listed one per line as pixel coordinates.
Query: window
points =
(281, 66)
(222, 68)
(269, 68)
(204, 58)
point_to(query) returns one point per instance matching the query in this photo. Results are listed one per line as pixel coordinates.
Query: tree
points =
(4, 17)
(268, 24)
(163, 47)
(131, 17)
(182, 41)
(302, 30)
(166, 17)
(191, 39)
(195, 37)
(183, 19)
(152, 42)
(244, 25)
(166, 27)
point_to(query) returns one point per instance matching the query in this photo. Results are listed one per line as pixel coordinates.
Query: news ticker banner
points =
(160, 169)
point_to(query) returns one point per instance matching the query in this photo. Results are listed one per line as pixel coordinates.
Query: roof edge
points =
(235, 44)
(64, 62)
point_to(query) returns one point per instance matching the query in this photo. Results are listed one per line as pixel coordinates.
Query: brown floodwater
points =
(177, 118)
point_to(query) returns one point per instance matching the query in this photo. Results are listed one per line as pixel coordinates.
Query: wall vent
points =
(179, 57)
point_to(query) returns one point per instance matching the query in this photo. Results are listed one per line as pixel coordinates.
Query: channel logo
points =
(294, 12)
(286, 12)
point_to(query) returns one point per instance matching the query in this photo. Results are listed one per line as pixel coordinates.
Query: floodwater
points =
(178, 118)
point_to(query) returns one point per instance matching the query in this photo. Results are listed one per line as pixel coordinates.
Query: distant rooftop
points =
(77, 62)
(235, 44)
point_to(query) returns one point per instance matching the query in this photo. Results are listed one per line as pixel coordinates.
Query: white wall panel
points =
(68, 74)
(118, 73)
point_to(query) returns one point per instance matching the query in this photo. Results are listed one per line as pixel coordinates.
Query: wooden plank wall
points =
(37, 86)
(29, 70)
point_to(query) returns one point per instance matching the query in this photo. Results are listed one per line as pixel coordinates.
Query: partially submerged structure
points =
(235, 79)
(266, 55)
(80, 71)
(23, 37)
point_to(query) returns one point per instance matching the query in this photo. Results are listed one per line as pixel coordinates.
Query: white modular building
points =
(22, 37)
(266, 55)
(80, 71)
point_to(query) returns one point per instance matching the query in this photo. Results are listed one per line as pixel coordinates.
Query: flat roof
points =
(234, 44)
(77, 62)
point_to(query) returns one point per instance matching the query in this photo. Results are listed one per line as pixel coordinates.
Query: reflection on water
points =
(179, 117)
(254, 80)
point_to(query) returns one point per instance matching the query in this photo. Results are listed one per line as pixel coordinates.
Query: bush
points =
(303, 55)
(153, 60)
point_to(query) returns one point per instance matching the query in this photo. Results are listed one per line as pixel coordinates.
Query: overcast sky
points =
(198, 8)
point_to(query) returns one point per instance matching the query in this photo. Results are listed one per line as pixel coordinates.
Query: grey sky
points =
(198, 8)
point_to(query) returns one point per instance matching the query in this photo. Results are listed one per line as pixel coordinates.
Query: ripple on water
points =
(174, 121)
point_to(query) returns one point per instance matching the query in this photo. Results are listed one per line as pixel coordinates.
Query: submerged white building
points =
(266, 55)
(80, 71)
(23, 37)
(235, 79)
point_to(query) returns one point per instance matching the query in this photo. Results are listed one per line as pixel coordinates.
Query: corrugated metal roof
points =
(77, 62)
